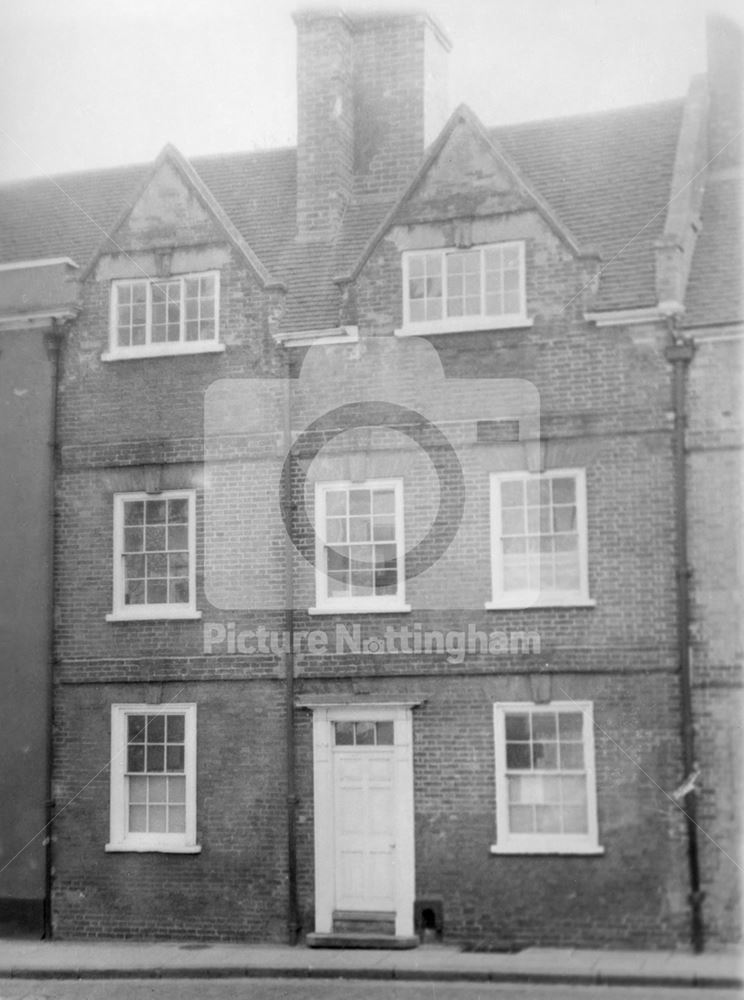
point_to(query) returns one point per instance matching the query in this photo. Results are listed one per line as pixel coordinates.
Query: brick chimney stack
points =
(325, 121)
(371, 95)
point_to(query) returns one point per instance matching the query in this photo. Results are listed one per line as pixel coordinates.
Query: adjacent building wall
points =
(26, 399)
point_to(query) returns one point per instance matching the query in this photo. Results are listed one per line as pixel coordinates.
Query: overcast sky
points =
(92, 83)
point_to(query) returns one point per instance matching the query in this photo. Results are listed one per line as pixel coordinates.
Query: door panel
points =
(364, 833)
(364, 823)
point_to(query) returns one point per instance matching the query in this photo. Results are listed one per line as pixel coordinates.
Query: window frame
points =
(548, 843)
(505, 599)
(454, 324)
(358, 604)
(161, 349)
(120, 839)
(149, 612)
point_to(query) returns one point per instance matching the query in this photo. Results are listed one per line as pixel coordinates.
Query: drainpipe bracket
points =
(680, 350)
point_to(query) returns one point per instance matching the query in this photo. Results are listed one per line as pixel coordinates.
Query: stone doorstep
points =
(389, 942)
(378, 923)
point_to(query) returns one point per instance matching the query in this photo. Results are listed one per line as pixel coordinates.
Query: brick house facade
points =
(404, 396)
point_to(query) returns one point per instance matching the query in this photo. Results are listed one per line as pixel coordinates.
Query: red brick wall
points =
(715, 546)
(604, 398)
(626, 897)
(236, 887)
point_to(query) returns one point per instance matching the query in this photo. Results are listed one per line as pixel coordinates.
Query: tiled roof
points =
(607, 177)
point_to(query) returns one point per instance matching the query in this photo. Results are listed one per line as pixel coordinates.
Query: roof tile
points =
(607, 176)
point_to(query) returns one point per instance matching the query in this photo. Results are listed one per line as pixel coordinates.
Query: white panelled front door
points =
(364, 859)
(364, 820)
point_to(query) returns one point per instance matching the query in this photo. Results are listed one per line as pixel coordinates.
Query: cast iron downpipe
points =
(293, 917)
(679, 353)
(53, 344)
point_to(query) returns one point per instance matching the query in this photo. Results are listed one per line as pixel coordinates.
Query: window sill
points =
(159, 615)
(162, 351)
(571, 848)
(360, 609)
(157, 848)
(540, 604)
(469, 325)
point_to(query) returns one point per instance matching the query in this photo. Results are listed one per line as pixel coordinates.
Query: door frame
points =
(325, 875)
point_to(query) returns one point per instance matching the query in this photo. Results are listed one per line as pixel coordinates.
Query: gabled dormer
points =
(472, 238)
(163, 261)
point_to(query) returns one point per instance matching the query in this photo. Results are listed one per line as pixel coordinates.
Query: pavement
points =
(30, 959)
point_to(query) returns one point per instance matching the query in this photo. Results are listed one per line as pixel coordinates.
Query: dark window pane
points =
(564, 518)
(385, 556)
(518, 756)
(337, 559)
(178, 564)
(157, 565)
(136, 728)
(545, 755)
(178, 511)
(338, 584)
(134, 567)
(365, 733)
(361, 582)
(134, 592)
(135, 758)
(155, 511)
(178, 592)
(133, 512)
(384, 733)
(155, 758)
(175, 727)
(155, 539)
(386, 581)
(174, 758)
(155, 729)
(517, 727)
(157, 592)
(178, 537)
(544, 726)
(133, 539)
(344, 733)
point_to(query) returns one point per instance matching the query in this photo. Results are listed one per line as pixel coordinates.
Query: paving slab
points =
(133, 959)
